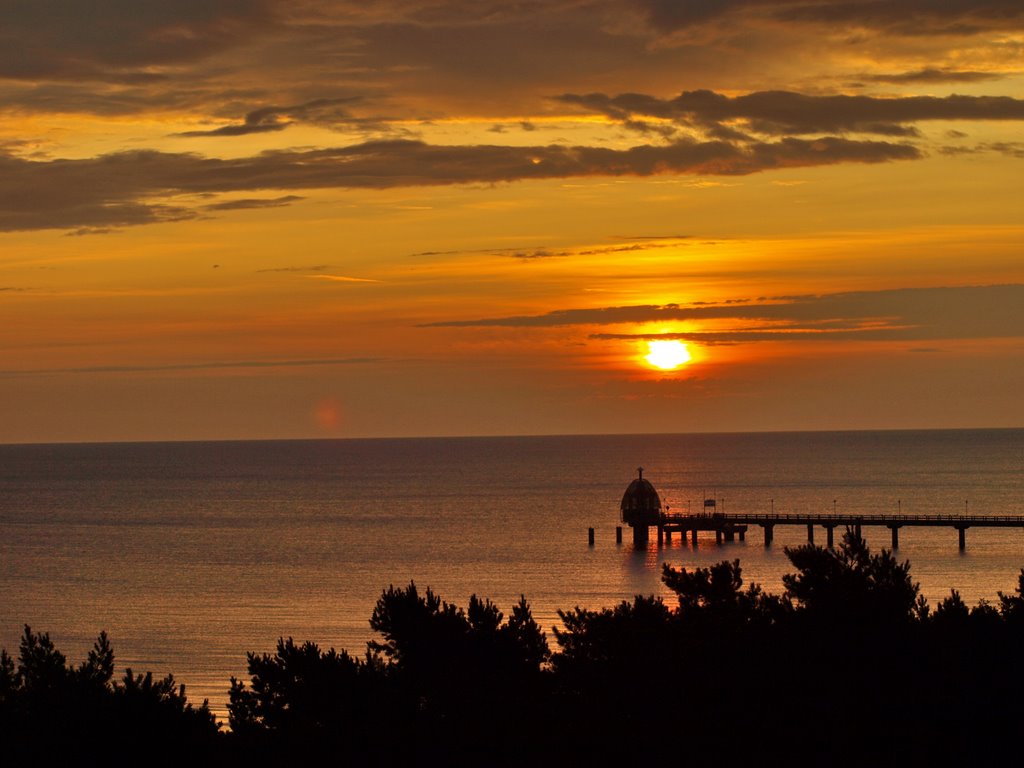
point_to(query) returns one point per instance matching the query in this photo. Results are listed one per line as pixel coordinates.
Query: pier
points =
(641, 509)
(727, 526)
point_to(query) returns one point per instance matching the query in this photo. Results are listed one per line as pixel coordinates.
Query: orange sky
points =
(269, 219)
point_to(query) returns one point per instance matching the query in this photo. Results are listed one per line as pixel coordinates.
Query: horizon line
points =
(494, 436)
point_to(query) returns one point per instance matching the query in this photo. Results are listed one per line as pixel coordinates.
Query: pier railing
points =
(728, 525)
(845, 519)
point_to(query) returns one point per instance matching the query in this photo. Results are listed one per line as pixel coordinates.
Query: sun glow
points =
(667, 355)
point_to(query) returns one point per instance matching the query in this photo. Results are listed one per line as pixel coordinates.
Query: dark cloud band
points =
(141, 187)
(779, 113)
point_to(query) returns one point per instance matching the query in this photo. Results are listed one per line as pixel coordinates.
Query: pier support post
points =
(668, 536)
(718, 536)
(730, 534)
(618, 534)
(743, 534)
(830, 535)
(590, 536)
(661, 536)
(693, 536)
(962, 529)
(640, 536)
(895, 536)
(810, 533)
(769, 531)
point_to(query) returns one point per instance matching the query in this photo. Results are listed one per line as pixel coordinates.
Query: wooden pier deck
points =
(728, 526)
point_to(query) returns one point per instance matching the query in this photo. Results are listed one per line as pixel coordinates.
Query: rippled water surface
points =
(191, 554)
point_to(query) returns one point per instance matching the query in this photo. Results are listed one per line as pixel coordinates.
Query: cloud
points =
(314, 268)
(933, 75)
(271, 119)
(342, 279)
(654, 237)
(907, 17)
(224, 62)
(912, 18)
(209, 366)
(142, 187)
(249, 202)
(1009, 148)
(120, 40)
(547, 253)
(779, 113)
(534, 253)
(902, 314)
(1014, 149)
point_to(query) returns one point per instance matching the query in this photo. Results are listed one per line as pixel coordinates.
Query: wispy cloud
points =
(343, 279)
(268, 119)
(206, 366)
(250, 202)
(534, 253)
(313, 268)
(902, 314)
(783, 113)
(933, 75)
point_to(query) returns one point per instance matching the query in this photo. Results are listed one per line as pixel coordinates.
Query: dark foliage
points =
(850, 586)
(53, 712)
(450, 682)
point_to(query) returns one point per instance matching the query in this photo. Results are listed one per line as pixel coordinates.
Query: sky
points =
(257, 219)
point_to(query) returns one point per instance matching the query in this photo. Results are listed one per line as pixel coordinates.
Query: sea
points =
(192, 554)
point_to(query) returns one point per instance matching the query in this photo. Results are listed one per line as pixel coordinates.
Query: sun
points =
(667, 355)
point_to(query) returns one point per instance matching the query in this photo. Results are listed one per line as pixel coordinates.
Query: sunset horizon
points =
(265, 220)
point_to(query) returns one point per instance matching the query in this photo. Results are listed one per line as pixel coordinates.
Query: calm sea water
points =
(191, 554)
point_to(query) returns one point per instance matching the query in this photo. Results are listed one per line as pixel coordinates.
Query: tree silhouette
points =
(717, 593)
(450, 681)
(849, 585)
(50, 710)
(1012, 606)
